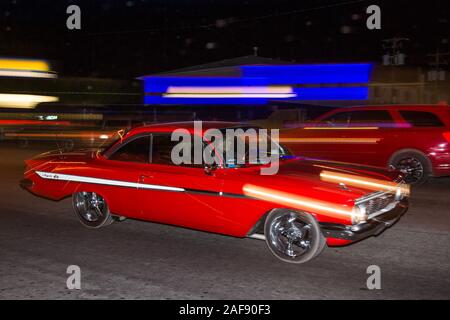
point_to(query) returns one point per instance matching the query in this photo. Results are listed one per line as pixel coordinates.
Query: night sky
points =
(128, 38)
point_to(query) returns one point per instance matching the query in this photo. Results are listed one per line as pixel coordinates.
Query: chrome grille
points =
(378, 204)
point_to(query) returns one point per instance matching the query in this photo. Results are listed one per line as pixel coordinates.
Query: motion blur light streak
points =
(160, 89)
(231, 89)
(229, 95)
(23, 101)
(27, 74)
(26, 65)
(25, 68)
(363, 182)
(311, 74)
(58, 135)
(299, 202)
(330, 93)
(33, 122)
(341, 128)
(230, 92)
(330, 140)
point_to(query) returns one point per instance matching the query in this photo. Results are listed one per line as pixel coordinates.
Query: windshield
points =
(112, 140)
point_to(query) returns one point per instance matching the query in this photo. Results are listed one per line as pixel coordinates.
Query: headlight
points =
(359, 214)
(403, 190)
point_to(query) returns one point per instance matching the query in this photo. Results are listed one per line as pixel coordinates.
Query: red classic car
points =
(299, 210)
(414, 139)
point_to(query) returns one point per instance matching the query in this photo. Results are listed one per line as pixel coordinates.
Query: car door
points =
(367, 138)
(321, 140)
(182, 195)
(120, 170)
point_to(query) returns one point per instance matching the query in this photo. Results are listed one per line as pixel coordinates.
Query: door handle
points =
(142, 177)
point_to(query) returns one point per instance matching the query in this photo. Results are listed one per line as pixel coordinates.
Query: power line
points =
(235, 21)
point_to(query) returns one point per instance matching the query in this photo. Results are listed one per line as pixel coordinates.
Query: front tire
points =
(292, 236)
(92, 210)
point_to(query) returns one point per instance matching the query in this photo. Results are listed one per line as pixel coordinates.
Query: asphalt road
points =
(39, 239)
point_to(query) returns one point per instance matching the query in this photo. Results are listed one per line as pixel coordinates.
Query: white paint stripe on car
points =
(74, 178)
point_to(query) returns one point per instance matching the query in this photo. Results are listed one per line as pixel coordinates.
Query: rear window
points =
(421, 119)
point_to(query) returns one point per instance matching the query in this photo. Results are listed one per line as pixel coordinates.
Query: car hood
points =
(304, 177)
(316, 166)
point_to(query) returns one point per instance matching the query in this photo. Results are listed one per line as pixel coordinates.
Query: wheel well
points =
(81, 188)
(258, 227)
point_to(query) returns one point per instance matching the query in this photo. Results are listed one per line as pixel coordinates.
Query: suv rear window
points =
(421, 119)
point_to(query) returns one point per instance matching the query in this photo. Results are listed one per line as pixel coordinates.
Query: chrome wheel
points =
(413, 168)
(290, 235)
(91, 209)
(293, 236)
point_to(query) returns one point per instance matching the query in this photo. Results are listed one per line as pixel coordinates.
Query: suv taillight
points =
(447, 136)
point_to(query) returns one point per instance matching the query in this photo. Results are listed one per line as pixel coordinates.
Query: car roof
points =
(188, 125)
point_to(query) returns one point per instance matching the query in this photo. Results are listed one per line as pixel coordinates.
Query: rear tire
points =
(92, 210)
(292, 236)
(414, 164)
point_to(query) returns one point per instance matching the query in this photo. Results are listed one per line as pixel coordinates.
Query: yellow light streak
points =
(24, 64)
(364, 182)
(299, 202)
(330, 140)
(341, 128)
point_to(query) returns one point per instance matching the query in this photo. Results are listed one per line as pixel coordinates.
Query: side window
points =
(340, 119)
(421, 119)
(371, 117)
(162, 151)
(137, 150)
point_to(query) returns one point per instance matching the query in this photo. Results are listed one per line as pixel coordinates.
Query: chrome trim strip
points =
(126, 184)
(119, 183)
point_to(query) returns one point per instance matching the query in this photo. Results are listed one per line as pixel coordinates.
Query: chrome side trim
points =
(127, 184)
(74, 178)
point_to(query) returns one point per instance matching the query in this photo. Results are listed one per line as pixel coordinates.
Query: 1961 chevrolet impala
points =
(307, 205)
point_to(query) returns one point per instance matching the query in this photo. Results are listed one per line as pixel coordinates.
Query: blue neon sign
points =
(332, 75)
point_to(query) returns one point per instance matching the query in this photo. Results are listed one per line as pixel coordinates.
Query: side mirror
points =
(209, 169)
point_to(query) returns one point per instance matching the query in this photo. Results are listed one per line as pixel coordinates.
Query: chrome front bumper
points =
(367, 229)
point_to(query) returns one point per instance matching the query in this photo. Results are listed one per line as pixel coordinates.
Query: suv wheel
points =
(414, 164)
